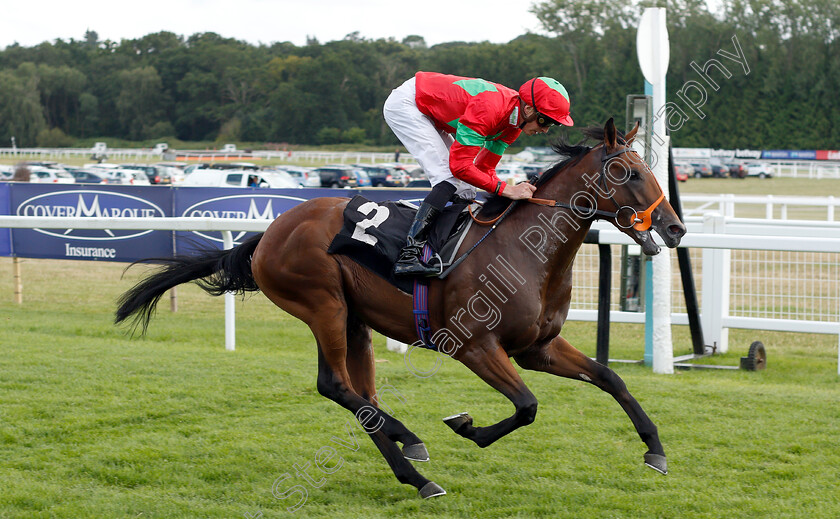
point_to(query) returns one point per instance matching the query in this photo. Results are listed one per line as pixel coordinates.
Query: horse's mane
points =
(495, 204)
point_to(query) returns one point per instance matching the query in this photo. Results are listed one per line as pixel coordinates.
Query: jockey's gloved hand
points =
(519, 191)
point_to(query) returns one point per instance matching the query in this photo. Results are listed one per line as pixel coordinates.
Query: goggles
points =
(542, 120)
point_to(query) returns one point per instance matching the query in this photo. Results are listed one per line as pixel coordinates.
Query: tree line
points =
(753, 74)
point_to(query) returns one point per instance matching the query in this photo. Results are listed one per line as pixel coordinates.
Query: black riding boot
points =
(410, 263)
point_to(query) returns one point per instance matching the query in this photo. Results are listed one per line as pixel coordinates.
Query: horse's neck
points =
(545, 239)
(564, 228)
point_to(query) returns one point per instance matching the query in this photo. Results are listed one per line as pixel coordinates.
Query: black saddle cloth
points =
(375, 232)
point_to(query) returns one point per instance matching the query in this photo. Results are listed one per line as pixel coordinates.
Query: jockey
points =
(457, 128)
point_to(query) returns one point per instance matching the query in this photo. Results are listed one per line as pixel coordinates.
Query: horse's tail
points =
(215, 271)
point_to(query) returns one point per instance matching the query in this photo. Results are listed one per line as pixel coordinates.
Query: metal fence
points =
(788, 284)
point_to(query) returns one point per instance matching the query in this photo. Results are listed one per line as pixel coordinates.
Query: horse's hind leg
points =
(334, 382)
(361, 367)
(561, 358)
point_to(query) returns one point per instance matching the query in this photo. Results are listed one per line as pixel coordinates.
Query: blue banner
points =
(789, 154)
(237, 203)
(5, 234)
(95, 202)
(148, 202)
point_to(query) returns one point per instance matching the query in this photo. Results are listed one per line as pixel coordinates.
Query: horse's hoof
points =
(458, 421)
(416, 452)
(657, 462)
(431, 489)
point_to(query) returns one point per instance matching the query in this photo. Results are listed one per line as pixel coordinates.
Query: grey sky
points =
(30, 22)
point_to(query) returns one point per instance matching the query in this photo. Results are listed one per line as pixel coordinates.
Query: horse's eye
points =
(634, 175)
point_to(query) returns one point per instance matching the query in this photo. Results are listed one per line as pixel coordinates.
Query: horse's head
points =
(639, 199)
(624, 191)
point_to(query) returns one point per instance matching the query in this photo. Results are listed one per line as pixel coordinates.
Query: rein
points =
(640, 221)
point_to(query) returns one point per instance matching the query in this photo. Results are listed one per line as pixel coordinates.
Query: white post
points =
(663, 347)
(715, 305)
(230, 303)
(653, 50)
(18, 280)
(729, 205)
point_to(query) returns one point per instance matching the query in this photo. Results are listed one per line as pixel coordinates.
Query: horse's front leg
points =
(561, 358)
(495, 368)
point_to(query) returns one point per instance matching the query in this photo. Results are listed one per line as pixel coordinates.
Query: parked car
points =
(240, 178)
(337, 176)
(719, 171)
(154, 175)
(683, 169)
(6, 172)
(383, 176)
(127, 177)
(758, 170)
(362, 177)
(49, 175)
(701, 169)
(136, 178)
(736, 170)
(306, 177)
(84, 176)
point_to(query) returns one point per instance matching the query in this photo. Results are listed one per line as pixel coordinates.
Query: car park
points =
(337, 176)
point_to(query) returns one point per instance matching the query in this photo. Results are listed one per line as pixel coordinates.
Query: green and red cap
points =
(549, 98)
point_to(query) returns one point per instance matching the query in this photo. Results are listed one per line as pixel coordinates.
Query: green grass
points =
(93, 424)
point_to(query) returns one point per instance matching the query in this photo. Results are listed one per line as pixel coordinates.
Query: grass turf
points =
(93, 424)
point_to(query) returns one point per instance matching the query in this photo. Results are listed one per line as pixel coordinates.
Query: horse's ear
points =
(631, 134)
(610, 134)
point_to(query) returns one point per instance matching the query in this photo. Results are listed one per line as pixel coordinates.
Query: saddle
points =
(374, 233)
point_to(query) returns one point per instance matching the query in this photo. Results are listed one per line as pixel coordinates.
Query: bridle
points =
(640, 221)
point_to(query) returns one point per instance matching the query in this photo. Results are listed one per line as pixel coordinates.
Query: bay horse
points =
(481, 321)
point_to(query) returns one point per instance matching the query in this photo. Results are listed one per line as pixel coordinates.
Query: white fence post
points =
(715, 305)
(230, 303)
